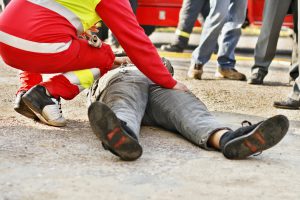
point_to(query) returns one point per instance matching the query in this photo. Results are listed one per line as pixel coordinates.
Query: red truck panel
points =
(166, 12)
(160, 3)
(158, 12)
(158, 16)
(255, 13)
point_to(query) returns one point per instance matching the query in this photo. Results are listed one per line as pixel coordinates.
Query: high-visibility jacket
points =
(48, 27)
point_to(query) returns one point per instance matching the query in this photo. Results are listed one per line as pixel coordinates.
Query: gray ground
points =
(42, 162)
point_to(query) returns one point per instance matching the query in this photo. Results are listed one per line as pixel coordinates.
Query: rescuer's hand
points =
(120, 61)
(180, 86)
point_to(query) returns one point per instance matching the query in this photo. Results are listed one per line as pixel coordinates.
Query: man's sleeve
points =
(118, 16)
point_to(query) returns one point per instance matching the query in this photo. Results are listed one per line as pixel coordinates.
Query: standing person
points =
(225, 19)
(188, 15)
(42, 37)
(124, 98)
(293, 101)
(273, 17)
(112, 40)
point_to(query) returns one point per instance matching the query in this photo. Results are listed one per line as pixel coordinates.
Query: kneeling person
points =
(124, 99)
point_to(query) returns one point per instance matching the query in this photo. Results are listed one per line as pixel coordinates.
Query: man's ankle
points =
(215, 139)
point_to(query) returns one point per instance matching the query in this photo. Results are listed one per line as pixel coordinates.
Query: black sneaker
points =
(22, 108)
(115, 135)
(288, 104)
(45, 107)
(253, 139)
(257, 78)
(172, 48)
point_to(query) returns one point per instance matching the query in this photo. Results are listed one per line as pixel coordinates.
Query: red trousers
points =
(79, 56)
(40, 25)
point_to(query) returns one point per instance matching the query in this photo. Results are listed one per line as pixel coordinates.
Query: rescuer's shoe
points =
(22, 108)
(114, 133)
(44, 106)
(231, 74)
(254, 139)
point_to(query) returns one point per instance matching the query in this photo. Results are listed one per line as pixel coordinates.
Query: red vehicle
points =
(152, 13)
(255, 10)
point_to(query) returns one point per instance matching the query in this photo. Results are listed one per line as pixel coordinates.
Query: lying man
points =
(124, 98)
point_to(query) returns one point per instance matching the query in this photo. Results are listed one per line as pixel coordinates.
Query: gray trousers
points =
(294, 72)
(295, 94)
(137, 101)
(273, 17)
(188, 15)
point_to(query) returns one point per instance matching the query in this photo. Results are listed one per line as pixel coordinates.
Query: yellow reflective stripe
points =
(36, 47)
(81, 14)
(73, 79)
(63, 11)
(84, 10)
(182, 33)
(86, 77)
(83, 78)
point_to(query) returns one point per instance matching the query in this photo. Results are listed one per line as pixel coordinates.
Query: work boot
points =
(22, 108)
(253, 139)
(115, 135)
(44, 106)
(230, 73)
(172, 48)
(257, 78)
(288, 104)
(195, 71)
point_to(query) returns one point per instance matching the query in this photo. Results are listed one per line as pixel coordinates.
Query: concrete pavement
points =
(42, 162)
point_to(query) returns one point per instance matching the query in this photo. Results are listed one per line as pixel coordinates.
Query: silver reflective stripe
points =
(75, 79)
(61, 10)
(96, 73)
(35, 47)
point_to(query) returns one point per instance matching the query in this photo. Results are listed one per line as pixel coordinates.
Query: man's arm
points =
(118, 16)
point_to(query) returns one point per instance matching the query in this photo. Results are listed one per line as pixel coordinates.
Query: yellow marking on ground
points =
(251, 30)
(214, 57)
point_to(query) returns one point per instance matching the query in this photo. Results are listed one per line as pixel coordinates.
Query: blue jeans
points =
(225, 19)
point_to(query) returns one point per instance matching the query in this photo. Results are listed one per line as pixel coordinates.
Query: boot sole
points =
(194, 75)
(286, 107)
(29, 100)
(25, 111)
(107, 127)
(264, 136)
(194, 78)
(222, 77)
(254, 83)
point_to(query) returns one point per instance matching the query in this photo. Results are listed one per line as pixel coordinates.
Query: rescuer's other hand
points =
(180, 86)
(120, 61)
